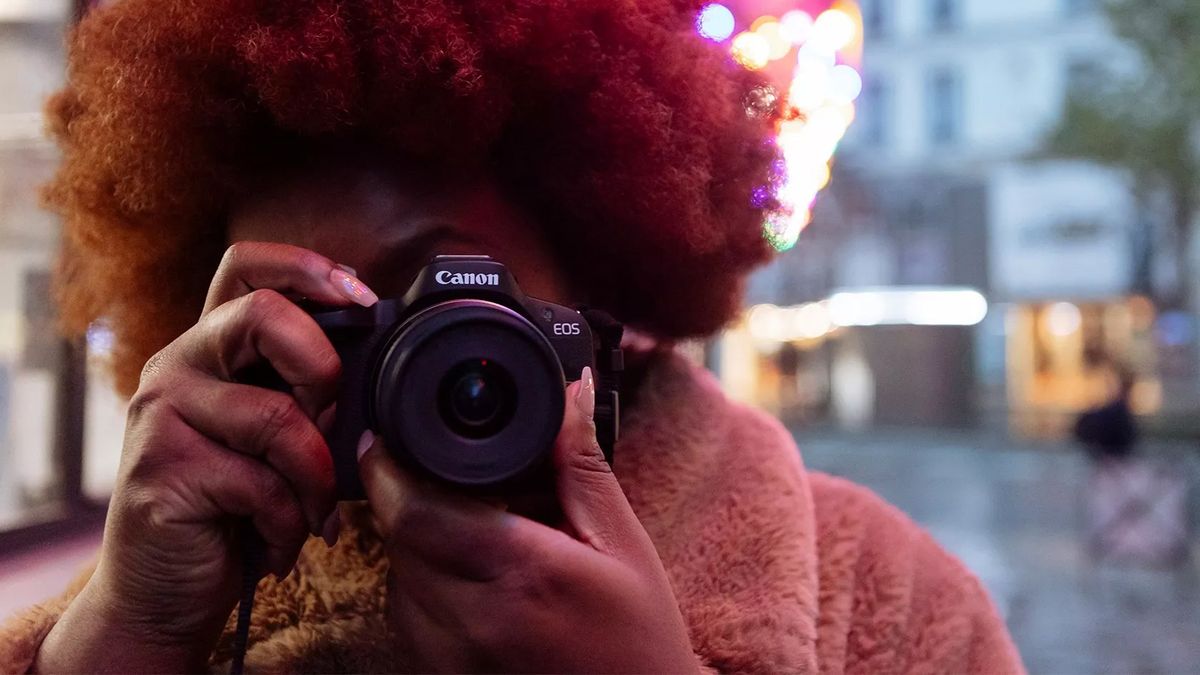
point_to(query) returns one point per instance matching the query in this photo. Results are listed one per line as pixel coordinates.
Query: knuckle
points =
(313, 264)
(277, 496)
(265, 303)
(155, 366)
(235, 255)
(143, 404)
(278, 416)
(587, 457)
(327, 365)
(232, 252)
(144, 506)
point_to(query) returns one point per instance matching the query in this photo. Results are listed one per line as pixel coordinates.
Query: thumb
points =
(588, 491)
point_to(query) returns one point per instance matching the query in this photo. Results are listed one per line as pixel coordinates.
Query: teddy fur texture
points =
(775, 569)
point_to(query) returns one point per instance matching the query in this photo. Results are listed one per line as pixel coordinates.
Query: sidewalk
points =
(1013, 513)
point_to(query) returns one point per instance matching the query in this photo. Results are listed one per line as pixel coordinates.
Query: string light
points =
(716, 22)
(772, 32)
(751, 50)
(797, 25)
(834, 29)
(819, 92)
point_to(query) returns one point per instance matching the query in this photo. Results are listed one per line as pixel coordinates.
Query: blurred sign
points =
(1060, 229)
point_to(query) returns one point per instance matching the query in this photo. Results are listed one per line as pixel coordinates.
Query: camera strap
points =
(610, 363)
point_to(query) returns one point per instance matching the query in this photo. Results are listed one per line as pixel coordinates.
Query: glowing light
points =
(817, 106)
(761, 101)
(716, 22)
(813, 52)
(810, 84)
(766, 323)
(845, 84)
(834, 29)
(760, 22)
(908, 306)
(769, 323)
(772, 32)
(1063, 319)
(797, 25)
(810, 321)
(783, 228)
(751, 50)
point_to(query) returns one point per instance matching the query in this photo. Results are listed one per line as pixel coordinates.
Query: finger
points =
(591, 499)
(260, 326)
(290, 270)
(228, 484)
(269, 425)
(464, 536)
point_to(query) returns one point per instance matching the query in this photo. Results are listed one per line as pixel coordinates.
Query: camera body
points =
(464, 376)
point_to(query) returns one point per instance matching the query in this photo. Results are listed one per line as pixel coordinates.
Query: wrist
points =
(98, 634)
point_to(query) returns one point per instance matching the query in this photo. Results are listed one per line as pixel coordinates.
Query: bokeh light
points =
(819, 92)
(716, 22)
(797, 25)
(751, 50)
(779, 45)
(845, 84)
(834, 29)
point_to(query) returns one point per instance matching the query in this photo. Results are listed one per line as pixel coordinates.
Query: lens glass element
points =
(476, 398)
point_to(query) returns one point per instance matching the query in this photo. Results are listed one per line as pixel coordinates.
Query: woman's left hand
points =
(473, 587)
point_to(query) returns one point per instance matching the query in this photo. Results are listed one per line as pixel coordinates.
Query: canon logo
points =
(448, 278)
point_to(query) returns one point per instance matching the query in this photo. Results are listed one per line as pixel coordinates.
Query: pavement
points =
(1014, 513)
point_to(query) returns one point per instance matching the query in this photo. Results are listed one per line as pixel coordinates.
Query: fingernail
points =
(350, 286)
(585, 397)
(348, 269)
(364, 443)
(333, 528)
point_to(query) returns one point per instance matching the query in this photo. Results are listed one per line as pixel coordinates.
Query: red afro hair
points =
(623, 133)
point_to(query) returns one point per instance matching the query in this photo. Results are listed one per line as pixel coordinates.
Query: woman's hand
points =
(204, 453)
(472, 587)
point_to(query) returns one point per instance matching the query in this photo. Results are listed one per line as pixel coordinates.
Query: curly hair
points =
(623, 134)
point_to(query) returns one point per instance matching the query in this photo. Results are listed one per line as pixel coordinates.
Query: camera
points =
(464, 376)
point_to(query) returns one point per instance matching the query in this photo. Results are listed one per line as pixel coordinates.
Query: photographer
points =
(230, 164)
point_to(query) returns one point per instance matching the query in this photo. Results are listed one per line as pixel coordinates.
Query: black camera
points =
(464, 376)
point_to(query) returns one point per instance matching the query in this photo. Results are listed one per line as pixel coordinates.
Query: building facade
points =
(941, 181)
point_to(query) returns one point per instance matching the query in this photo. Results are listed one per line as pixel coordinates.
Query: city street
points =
(1015, 515)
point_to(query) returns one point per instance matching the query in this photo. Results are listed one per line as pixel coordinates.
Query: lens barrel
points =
(469, 390)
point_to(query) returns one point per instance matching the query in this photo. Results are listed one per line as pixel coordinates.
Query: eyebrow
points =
(408, 253)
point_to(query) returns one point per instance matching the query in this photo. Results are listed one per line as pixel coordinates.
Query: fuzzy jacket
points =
(776, 569)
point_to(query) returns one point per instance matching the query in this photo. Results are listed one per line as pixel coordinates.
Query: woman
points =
(222, 159)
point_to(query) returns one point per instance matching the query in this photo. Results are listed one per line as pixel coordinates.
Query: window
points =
(1074, 7)
(943, 15)
(1085, 77)
(944, 105)
(876, 18)
(874, 111)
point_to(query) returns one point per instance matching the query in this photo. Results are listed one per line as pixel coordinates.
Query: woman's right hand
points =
(204, 453)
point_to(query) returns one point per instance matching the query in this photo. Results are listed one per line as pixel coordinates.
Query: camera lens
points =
(476, 398)
(468, 390)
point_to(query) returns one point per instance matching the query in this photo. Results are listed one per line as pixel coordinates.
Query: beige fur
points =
(775, 569)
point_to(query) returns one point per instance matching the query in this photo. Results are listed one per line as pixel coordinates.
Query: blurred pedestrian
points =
(1109, 431)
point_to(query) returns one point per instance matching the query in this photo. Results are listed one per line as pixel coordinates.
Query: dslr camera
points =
(464, 376)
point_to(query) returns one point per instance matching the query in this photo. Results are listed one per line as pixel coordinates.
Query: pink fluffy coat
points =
(776, 569)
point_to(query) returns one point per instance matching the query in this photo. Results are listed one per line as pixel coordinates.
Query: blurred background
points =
(990, 238)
